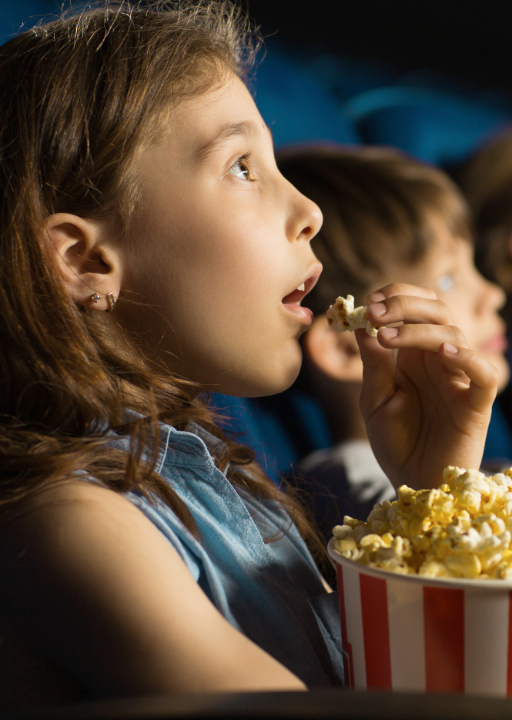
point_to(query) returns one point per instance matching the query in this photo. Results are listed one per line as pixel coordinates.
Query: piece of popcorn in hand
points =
(342, 316)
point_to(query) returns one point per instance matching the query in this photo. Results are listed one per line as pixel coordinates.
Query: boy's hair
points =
(380, 207)
(79, 98)
(486, 181)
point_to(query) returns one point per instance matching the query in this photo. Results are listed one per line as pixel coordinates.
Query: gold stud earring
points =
(111, 302)
(96, 297)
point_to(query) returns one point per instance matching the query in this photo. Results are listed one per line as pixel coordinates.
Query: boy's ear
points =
(335, 354)
(89, 264)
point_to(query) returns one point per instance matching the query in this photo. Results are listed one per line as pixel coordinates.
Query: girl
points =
(151, 251)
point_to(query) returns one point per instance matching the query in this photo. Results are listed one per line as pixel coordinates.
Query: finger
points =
(378, 373)
(420, 337)
(483, 376)
(393, 289)
(408, 309)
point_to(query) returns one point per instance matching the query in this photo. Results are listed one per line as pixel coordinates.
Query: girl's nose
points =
(305, 218)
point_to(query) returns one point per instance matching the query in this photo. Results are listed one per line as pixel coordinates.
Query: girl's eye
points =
(446, 282)
(240, 169)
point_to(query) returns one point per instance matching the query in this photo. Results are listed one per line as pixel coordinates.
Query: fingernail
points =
(450, 349)
(377, 309)
(377, 297)
(388, 333)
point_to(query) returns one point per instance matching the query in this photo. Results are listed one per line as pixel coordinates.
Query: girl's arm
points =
(90, 585)
(426, 397)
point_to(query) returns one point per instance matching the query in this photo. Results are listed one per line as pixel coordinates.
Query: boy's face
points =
(449, 270)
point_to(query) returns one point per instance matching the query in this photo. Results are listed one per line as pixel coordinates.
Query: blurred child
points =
(386, 217)
(151, 251)
(486, 181)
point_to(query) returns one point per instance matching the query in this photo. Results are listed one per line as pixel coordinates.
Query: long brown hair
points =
(79, 97)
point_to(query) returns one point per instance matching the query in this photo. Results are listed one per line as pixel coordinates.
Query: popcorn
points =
(342, 316)
(462, 529)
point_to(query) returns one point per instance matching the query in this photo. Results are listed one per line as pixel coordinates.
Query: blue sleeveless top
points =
(271, 591)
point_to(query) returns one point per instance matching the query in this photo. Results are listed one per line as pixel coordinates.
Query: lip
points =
(292, 301)
(498, 344)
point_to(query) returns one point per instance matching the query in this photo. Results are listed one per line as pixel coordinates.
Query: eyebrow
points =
(245, 128)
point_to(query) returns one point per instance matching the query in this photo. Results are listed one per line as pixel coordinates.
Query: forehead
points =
(447, 253)
(445, 243)
(206, 122)
(444, 253)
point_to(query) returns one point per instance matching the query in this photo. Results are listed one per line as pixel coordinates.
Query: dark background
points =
(467, 44)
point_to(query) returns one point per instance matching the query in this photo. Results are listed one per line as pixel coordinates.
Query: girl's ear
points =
(89, 264)
(335, 354)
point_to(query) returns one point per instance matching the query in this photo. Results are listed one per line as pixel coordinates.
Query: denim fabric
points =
(272, 592)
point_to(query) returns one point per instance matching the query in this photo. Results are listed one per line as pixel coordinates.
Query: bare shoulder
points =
(63, 499)
(91, 586)
(71, 521)
(85, 549)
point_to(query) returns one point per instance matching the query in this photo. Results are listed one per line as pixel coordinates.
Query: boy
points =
(486, 181)
(387, 218)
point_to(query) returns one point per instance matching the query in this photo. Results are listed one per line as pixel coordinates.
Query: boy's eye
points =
(446, 282)
(240, 169)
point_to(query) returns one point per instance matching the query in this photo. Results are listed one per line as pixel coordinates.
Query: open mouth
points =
(296, 296)
(292, 301)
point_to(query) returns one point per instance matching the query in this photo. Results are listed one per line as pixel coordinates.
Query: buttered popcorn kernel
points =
(342, 316)
(462, 529)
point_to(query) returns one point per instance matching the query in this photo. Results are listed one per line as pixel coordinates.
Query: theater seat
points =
(295, 106)
(434, 126)
(280, 429)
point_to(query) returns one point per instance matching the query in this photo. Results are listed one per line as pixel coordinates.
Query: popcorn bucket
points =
(418, 634)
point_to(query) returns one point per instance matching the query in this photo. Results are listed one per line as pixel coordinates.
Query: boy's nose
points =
(495, 296)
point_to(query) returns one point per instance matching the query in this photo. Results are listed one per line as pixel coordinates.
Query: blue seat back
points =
(296, 107)
(434, 126)
(281, 429)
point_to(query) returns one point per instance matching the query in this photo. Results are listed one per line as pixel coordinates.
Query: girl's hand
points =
(426, 397)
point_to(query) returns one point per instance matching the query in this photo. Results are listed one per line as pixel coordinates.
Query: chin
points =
(263, 376)
(266, 389)
(255, 386)
(273, 383)
(504, 380)
(503, 369)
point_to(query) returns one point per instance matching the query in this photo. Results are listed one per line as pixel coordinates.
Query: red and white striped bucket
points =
(411, 633)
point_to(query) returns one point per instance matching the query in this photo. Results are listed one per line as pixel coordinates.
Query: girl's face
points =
(219, 256)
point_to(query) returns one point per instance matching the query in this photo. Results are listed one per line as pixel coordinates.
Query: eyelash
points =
(243, 160)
